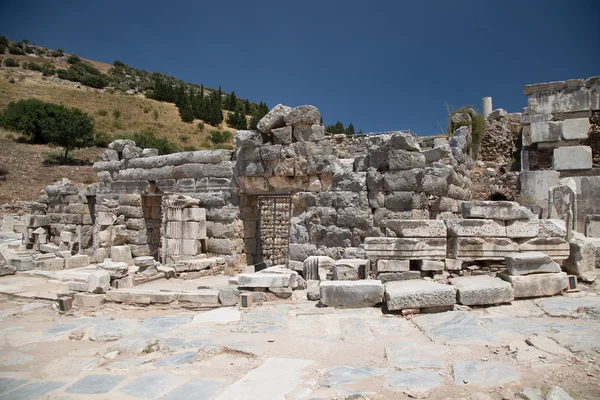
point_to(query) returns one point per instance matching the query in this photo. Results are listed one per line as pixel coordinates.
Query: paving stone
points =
(172, 360)
(557, 393)
(95, 384)
(402, 355)
(218, 316)
(454, 326)
(351, 294)
(415, 383)
(418, 294)
(489, 373)
(151, 385)
(196, 389)
(529, 393)
(32, 390)
(355, 330)
(530, 263)
(536, 285)
(165, 323)
(349, 374)
(110, 330)
(482, 290)
(8, 384)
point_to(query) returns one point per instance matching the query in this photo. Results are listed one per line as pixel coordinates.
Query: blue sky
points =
(382, 65)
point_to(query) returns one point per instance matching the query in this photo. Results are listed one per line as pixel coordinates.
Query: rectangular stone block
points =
(200, 297)
(582, 260)
(49, 248)
(77, 286)
(572, 158)
(530, 263)
(393, 265)
(417, 228)
(545, 131)
(430, 265)
(476, 227)
(523, 228)
(77, 261)
(50, 264)
(344, 273)
(401, 295)
(351, 294)
(482, 290)
(390, 248)
(34, 221)
(592, 226)
(182, 247)
(398, 276)
(536, 285)
(556, 247)
(475, 248)
(501, 210)
(263, 280)
(362, 267)
(575, 128)
(453, 265)
(88, 299)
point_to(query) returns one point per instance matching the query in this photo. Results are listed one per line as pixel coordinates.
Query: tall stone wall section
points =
(559, 141)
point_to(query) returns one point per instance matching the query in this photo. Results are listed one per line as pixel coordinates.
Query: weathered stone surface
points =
(488, 373)
(389, 248)
(264, 280)
(282, 293)
(453, 265)
(403, 181)
(302, 116)
(393, 265)
(476, 228)
(417, 228)
(313, 264)
(501, 210)
(314, 292)
(274, 119)
(418, 294)
(536, 285)
(582, 260)
(300, 252)
(121, 254)
(416, 383)
(558, 393)
(361, 266)
(344, 273)
(572, 158)
(477, 248)
(523, 228)
(351, 294)
(98, 282)
(482, 290)
(77, 261)
(403, 141)
(404, 160)
(530, 263)
(430, 265)
(398, 276)
(575, 128)
(88, 299)
(545, 131)
(7, 270)
(555, 247)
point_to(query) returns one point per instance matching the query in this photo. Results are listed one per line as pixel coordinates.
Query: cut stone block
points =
(34, 221)
(50, 264)
(144, 261)
(501, 210)
(393, 265)
(572, 158)
(430, 265)
(263, 280)
(536, 285)
(345, 273)
(556, 247)
(476, 227)
(575, 128)
(389, 248)
(398, 276)
(77, 261)
(453, 265)
(199, 297)
(351, 294)
(49, 248)
(77, 286)
(98, 282)
(282, 293)
(582, 260)
(530, 263)
(522, 228)
(417, 228)
(88, 300)
(482, 290)
(418, 294)
(122, 254)
(546, 131)
(182, 247)
(362, 266)
(476, 248)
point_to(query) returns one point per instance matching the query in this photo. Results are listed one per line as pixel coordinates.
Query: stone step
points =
(401, 295)
(530, 263)
(482, 290)
(351, 294)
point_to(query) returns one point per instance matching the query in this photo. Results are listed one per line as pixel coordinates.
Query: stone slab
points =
(536, 285)
(405, 248)
(582, 260)
(572, 158)
(417, 228)
(398, 276)
(431, 265)
(523, 228)
(482, 290)
(489, 373)
(351, 294)
(530, 263)
(263, 280)
(151, 385)
(393, 265)
(88, 299)
(478, 248)
(95, 384)
(196, 389)
(556, 247)
(77, 261)
(416, 383)
(402, 295)
(500, 210)
(362, 266)
(476, 228)
(34, 390)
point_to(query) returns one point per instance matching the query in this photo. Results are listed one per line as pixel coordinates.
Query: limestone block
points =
(572, 158)
(88, 299)
(389, 248)
(546, 131)
(313, 133)
(404, 201)
(477, 248)
(417, 228)
(398, 276)
(403, 181)
(400, 295)
(575, 128)
(263, 280)
(274, 118)
(556, 247)
(224, 246)
(437, 154)
(50, 264)
(530, 263)
(354, 217)
(302, 116)
(282, 135)
(344, 273)
(98, 281)
(501, 210)
(476, 228)
(350, 181)
(523, 228)
(582, 260)
(405, 160)
(393, 265)
(430, 265)
(300, 252)
(7, 270)
(77, 261)
(482, 290)
(182, 247)
(116, 269)
(110, 155)
(403, 141)
(144, 261)
(107, 166)
(120, 144)
(453, 265)
(34, 221)
(199, 297)
(553, 228)
(536, 285)
(360, 265)
(312, 265)
(351, 294)
(77, 286)
(131, 152)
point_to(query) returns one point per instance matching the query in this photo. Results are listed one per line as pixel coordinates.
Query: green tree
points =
(338, 127)
(237, 119)
(350, 130)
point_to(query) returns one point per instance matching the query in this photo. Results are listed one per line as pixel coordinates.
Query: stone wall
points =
(557, 144)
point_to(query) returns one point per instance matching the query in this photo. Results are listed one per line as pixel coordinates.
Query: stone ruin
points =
(353, 221)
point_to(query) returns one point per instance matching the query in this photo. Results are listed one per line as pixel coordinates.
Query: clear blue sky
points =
(382, 65)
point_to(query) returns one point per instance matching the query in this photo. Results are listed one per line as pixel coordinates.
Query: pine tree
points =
(350, 130)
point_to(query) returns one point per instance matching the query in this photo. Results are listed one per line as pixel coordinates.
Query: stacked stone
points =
(501, 134)
(278, 280)
(534, 274)
(274, 230)
(184, 229)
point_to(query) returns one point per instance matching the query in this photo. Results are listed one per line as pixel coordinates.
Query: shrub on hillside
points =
(9, 62)
(94, 81)
(57, 53)
(101, 139)
(32, 66)
(217, 137)
(149, 140)
(16, 51)
(29, 50)
(73, 59)
(101, 113)
(4, 41)
(2, 49)
(47, 69)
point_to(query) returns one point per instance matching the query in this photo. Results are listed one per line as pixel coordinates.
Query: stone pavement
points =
(296, 350)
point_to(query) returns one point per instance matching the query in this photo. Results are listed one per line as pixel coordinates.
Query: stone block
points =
(34, 221)
(476, 228)
(49, 248)
(98, 282)
(263, 280)
(546, 131)
(556, 247)
(575, 128)
(88, 299)
(361, 266)
(313, 264)
(417, 228)
(431, 265)
(523, 228)
(453, 265)
(50, 264)
(344, 273)
(536, 285)
(7, 270)
(121, 254)
(389, 248)
(482, 290)
(77, 261)
(393, 265)
(274, 119)
(530, 263)
(500, 210)
(592, 226)
(398, 276)
(582, 260)
(405, 160)
(282, 293)
(199, 297)
(403, 181)
(351, 294)
(402, 295)
(77, 286)
(535, 186)
(572, 158)
(477, 248)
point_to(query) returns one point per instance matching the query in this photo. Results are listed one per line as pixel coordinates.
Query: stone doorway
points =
(274, 214)
(151, 206)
